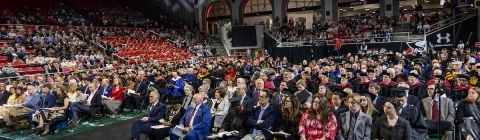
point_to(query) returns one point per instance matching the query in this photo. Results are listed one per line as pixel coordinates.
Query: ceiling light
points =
(367, 9)
(405, 9)
(401, 6)
(344, 10)
(351, 7)
(341, 9)
(373, 12)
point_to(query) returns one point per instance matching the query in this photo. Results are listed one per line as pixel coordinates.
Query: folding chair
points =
(472, 128)
(433, 127)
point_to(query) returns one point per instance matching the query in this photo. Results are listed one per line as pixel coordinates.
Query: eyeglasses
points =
(150, 96)
(430, 88)
(262, 96)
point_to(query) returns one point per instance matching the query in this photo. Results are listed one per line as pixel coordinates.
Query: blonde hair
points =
(369, 109)
(348, 90)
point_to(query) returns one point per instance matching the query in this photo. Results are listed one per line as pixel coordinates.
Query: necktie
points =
(435, 110)
(190, 117)
(351, 134)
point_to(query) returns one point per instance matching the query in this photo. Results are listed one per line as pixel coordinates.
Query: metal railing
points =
(449, 22)
(226, 44)
(279, 42)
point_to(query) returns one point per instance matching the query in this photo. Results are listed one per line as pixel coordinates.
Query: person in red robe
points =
(230, 73)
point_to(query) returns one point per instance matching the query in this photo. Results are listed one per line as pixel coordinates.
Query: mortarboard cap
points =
(349, 69)
(344, 76)
(463, 76)
(340, 93)
(363, 74)
(400, 94)
(414, 75)
(370, 71)
(303, 96)
(369, 95)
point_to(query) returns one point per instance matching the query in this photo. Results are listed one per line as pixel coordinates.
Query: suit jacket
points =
(379, 103)
(413, 100)
(269, 117)
(447, 110)
(95, 103)
(363, 126)
(222, 108)
(417, 122)
(201, 120)
(155, 113)
(142, 88)
(247, 104)
(105, 91)
(4, 97)
(211, 92)
(47, 101)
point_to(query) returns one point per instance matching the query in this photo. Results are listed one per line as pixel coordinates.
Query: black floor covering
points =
(116, 131)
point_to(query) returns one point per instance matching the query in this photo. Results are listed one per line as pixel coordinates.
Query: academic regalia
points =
(414, 116)
(342, 108)
(386, 88)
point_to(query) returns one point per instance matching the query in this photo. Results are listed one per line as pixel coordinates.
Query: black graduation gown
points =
(417, 122)
(341, 109)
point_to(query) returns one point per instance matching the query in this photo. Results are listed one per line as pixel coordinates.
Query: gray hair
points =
(203, 88)
(241, 80)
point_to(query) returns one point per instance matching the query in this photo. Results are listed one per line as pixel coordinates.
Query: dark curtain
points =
(296, 55)
(244, 36)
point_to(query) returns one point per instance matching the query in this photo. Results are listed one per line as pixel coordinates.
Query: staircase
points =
(217, 43)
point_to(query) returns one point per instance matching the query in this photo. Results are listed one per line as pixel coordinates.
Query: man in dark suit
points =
(413, 115)
(4, 94)
(354, 124)
(92, 105)
(263, 116)
(245, 101)
(447, 110)
(105, 89)
(155, 112)
(196, 121)
(141, 89)
(277, 96)
(211, 92)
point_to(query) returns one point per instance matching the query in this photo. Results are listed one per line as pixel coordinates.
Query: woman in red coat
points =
(113, 102)
(230, 73)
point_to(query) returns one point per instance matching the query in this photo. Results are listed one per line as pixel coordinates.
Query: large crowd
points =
(374, 96)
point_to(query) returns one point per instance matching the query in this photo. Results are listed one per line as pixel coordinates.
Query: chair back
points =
(475, 112)
(473, 128)
(444, 125)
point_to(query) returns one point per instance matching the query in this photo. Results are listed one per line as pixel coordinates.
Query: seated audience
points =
(463, 109)
(196, 121)
(90, 106)
(115, 99)
(220, 107)
(263, 117)
(31, 103)
(171, 119)
(354, 124)
(48, 114)
(155, 112)
(289, 117)
(5, 94)
(188, 96)
(47, 100)
(318, 122)
(391, 126)
(430, 107)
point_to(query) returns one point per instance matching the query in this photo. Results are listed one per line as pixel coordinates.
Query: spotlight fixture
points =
(351, 7)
